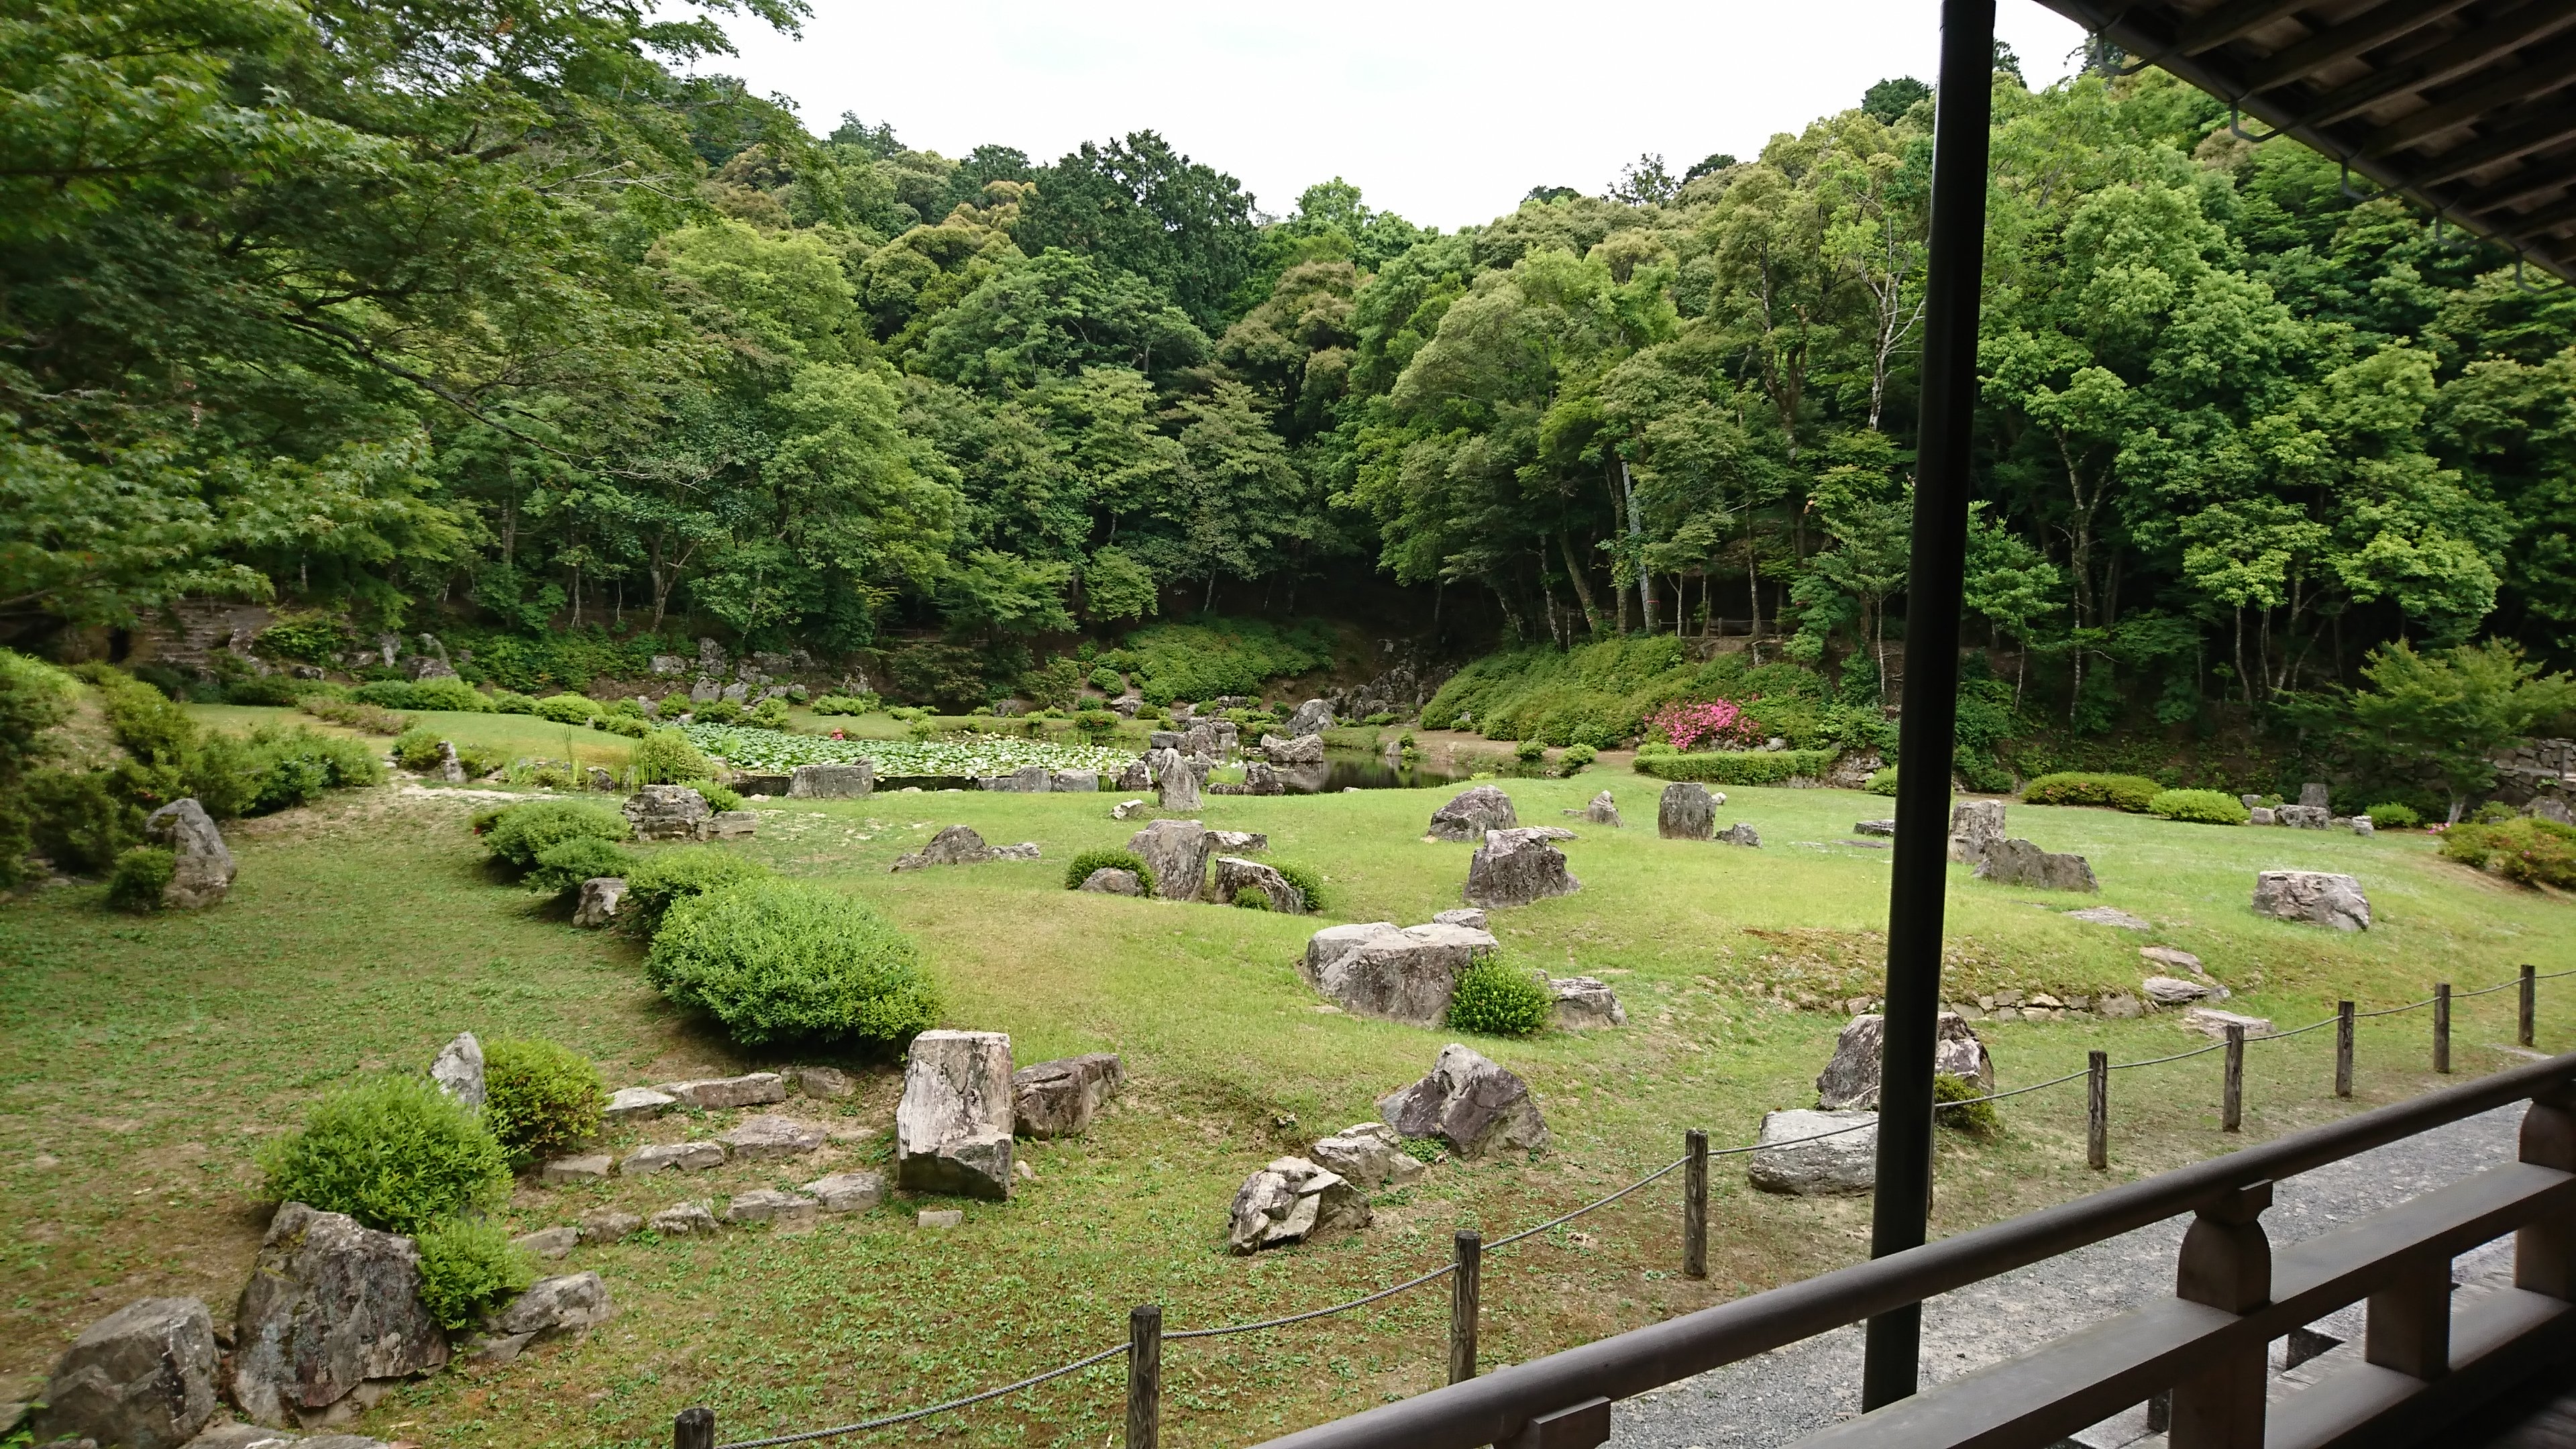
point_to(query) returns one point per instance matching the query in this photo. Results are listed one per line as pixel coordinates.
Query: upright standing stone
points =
(458, 1069)
(141, 1378)
(329, 1306)
(1175, 783)
(450, 768)
(1976, 826)
(1686, 812)
(202, 869)
(952, 1130)
(1604, 810)
(1472, 812)
(2313, 795)
(1468, 1102)
(1850, 1080)
(1515, 868)
(832, 782)
(1312, 718)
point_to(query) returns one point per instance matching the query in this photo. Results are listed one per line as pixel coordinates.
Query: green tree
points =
(2447, 712)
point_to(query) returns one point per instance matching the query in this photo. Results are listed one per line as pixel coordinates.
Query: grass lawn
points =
(152, 1055)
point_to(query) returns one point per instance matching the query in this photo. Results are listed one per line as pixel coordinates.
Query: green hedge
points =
(1739, 767)
(2133, 793)
(2199, 807)
(778, 960)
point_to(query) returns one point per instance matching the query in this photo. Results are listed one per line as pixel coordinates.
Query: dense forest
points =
(517, 313)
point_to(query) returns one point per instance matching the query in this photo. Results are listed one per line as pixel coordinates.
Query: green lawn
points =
(152, 1055)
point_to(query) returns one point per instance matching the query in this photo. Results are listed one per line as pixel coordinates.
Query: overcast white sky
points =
(1441, 111)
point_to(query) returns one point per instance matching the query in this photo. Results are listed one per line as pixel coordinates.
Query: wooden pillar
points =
(694, 1428)
(1695, 1204)
(1144, 1376)
(1465, 1286)
(2544, 1254)
(2343, 1048)
(2409, 1328)
(2442, 1027)
(2231, 1094)
(2529, 1000)
(2227, 1264)
(2097, 1110)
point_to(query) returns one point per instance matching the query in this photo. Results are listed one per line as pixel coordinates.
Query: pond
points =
(1340, 771)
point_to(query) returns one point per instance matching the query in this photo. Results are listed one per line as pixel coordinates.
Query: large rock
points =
(1405, 975)
(1604, 810)
(1850, 1080)
(1235, 876)
(2316, 897)
(2303, 817)
(1176, 852)
(2312, 796)
(570, 1303)
(1472, 812)
(668, 812)
(1312, 718)
(600, 897)
(2018, 862)
(1110, 880)
(329, 1306)
(1686, 812)
(1258, 779)
(1976, 826)
(1299, 750)
(202, 869)
(956, 845)
(952, 1130)
(1517, 867)
(1077, 782)
(1369, 1154)
(1740, 833)
(1468, 1102)
(1585, 1002)
(1176, 785)
(1059, 1098)
(142, 1377)
(753, 1089)
(832, 782)
(458, 1069)
(1843, 1163)
(1137, 776)
(1291, 1201)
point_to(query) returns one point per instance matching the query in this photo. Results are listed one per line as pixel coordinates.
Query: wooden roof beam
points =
(2548, 69)
(2224, 23)
(2375, 28)
(2500, 147)
(2448, 61)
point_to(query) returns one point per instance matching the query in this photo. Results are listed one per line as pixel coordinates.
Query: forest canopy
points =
(519, 311)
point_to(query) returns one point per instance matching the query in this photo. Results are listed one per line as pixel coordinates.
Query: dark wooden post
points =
(2409, 1328)
(2544, 1254)
(2530, 1004)
(2442, 1026)
(1144, 1376)
(2343, 1048)
(2097, 1110)
(2231, 1096)
(694, 1428)
(1464, 1286)
(2227, 1264)
(1695, 1204)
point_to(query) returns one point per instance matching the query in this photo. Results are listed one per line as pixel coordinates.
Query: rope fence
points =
(695, 1428)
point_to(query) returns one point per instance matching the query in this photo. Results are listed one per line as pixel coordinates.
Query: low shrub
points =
(1499, 1000)
(2529, 851)
(448, 694)
(521, 833)
(1976, 1119)
(1308, 882)
(1107, 681)
(2494, 812)
(469, 1266)
(563, 866)
(417, 748)
(371, 719)
(135, 884)
(665, 757)
(1079, 869)
(395, 1153)
(510, 701)
(769, 714)
(630, 726)
(2133, 793)
(1737, 767)
(273, 690)
(717, 711)
(541, 1098)
(717, 796)
(665, 878)
(1576, 757)
(1530, 752)
(570, 709)
(2199, 807)
(1252, 898)
(77, 819)
(2393, 816)
(297, 764)
(1095, 725)
(1388, 717)
(777, 960)
(844, 704)
(1882, 782)
(907, 713)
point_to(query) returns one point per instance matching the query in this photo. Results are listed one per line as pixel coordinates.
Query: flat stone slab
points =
(754, 1089)
(638, 1104)
(687, 1217)
(2174, 957)
(2175, 991)
(768, 1205)
(1846, 1162)
(588, 1167)
(549, 1242)
(940, 1218)
(661, 1156)
(764, 1138)
(848, 1192)
(2111, 916)
(2209, 1021)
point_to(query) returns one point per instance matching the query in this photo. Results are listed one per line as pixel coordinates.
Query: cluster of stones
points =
(1514, 864)
(755, 672)
(961, 845)
(1409, 974)
(1978, 840)
(1039, 780)
(769, 1137)
(1177, 854)
(962, 1104)
(676, 812)
(1466, 1103)
(1688, 811)
(2540, 772)
(1832, 1148)
(2311, 813)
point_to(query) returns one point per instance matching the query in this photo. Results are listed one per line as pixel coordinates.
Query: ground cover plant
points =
(169, 1031)
(771, 751)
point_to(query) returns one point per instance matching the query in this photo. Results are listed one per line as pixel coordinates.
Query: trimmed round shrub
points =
(717, 711)
(2529, 851)
(469, 1266)
(395, 1153)
(1882, 782)
(2132, 793)
(1499, 1000)
(1979, 1119)
(1106, 680)
(777, 960)
(843, 703)
(1308, 881)
(2199, 807)
(2393, 816)
(510, 701)
(769, 714)
(274, 690)
(665, 878)
(135, 884)
(1530, 752)
(417, 748)
(541, 1098)
(521, 833)
(1576, 757)
(1079, 869)
(630, 726)
(563, 866)
(717, 796)
(448, 694)
(2494, 812)
(665, 757)
(571, 709)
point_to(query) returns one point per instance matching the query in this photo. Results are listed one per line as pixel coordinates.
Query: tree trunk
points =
(1582, 585)
(1637, 547)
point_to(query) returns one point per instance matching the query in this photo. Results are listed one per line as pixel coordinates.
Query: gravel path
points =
(1791, 1392)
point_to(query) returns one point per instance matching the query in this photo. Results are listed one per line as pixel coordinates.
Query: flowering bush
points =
(1718, 724)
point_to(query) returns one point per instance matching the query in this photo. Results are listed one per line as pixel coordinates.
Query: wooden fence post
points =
(2226, 1264)
(1144, 1376)
(2530, 1006)
(2097, 1110)
(694, 1428)
(2442, 1026)
(1463, 1288)
(2343, 1048)
(1695, 1204)
(2231, 1100)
